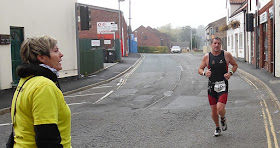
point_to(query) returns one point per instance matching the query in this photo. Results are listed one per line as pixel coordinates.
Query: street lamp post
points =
(129, 28)
(191, 39)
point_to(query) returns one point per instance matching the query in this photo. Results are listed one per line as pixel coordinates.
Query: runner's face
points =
(216, 45)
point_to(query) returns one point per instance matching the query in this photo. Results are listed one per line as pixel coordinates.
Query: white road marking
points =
(103, 97)
(181, 67)
(92, 76)
(101, 87)
(120, 82)
(84, 95)
(5, 124)
(77, 103)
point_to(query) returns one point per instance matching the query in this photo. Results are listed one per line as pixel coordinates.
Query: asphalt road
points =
(163, 103)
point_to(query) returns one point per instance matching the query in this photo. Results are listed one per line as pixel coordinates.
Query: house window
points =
(145, 38)
(211, 31)
(240, 40)
(217, 29)
(228, 40)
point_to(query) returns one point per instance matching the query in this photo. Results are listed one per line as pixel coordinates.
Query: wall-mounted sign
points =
(107, 42)
(106, 27)
(271, 12)
(95, 42)
(5, 39)
(263, 17)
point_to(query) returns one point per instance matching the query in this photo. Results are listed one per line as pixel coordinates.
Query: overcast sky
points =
(157, 13)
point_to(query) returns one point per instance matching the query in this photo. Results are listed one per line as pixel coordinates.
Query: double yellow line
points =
(268, 123)
(268, 120)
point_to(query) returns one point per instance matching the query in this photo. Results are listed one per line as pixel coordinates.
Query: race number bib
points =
(220, 86)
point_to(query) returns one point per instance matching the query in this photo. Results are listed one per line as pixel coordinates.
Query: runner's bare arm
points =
(233, 63)
(204, 63)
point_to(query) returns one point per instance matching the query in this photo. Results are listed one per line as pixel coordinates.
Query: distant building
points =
(214, 30)
(236, 30)
(103, 16)
(151, 37)
(253, 39)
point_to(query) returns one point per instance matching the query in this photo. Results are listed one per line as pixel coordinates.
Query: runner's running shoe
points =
(224, 124)
(217, 132)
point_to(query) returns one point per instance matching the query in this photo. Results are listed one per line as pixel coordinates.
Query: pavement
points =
(112, 71)
(74, 84)
(271, 83)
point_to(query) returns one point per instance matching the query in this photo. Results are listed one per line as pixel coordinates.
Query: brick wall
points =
(99, 14)
(266, 64)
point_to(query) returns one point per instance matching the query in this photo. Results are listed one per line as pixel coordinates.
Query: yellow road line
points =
(269, 145)
(272, 129)
(132, 71)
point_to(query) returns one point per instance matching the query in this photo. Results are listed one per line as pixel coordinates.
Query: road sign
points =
(106, 27)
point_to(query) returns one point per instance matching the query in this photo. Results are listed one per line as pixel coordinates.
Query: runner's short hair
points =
(215, 38)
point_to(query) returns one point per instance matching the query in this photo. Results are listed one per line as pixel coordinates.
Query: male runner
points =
(217, 62)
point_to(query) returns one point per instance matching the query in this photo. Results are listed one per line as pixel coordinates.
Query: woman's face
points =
(54, 60)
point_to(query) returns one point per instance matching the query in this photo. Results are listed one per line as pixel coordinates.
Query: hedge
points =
(153, 49)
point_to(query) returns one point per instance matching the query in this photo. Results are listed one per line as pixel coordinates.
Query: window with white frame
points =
(240, 40)
(228, 40)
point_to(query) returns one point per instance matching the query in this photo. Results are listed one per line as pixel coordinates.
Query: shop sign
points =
(263, 17)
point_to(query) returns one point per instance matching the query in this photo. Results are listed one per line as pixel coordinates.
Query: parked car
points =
(176, 49)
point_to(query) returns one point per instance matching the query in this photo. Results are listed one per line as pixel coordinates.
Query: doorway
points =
(16, 40)
(236, 45)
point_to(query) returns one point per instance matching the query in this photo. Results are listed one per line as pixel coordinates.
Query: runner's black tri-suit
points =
(218, 67)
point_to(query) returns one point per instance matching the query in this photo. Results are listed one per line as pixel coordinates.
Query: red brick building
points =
(100, 14)
(264, 53)
(151, 37)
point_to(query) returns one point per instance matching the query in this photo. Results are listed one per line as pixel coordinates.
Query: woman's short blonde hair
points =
(40, 45)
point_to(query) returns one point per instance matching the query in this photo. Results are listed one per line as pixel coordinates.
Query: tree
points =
(183, 34)
(168, 30)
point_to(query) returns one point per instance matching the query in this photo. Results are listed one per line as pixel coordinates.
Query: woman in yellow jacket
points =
(40, 115)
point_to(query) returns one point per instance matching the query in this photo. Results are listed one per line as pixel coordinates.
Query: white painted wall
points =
(277, 38)
(51, 17)
(231, 47)
(262, 3)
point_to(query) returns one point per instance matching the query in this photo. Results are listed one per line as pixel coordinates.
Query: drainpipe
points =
(257, 36)
(244, 34)
(274, 62)
(77, 41)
